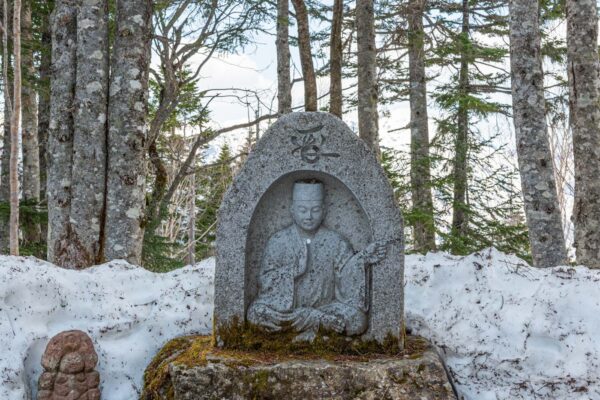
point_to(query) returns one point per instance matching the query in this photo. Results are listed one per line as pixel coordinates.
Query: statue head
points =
(308, 209)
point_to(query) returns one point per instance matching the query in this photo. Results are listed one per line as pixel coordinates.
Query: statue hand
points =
(375, 252)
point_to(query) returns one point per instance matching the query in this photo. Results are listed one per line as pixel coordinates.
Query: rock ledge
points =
(228, 375)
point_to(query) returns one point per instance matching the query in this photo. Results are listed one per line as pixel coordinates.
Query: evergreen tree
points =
(477, 198)
(480, 189)
(212, 186)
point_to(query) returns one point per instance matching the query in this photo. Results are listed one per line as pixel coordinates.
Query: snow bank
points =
(128, 312)
(506, 330)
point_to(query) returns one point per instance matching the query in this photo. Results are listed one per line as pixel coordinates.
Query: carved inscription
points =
(309, 145)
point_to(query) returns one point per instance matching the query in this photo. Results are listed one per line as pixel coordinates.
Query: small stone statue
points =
(310, 276)
(69, 362)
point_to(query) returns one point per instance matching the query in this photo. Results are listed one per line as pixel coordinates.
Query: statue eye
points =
(316, 209)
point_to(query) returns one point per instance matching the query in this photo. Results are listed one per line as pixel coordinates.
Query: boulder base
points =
(243, 375)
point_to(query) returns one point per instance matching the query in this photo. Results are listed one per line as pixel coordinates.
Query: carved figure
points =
(69, 362)
(310, 276)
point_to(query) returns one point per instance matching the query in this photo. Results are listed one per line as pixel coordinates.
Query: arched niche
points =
(301, 145)
(344, 214)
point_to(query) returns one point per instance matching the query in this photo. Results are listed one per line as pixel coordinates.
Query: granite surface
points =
(421, 377)
(360, 208)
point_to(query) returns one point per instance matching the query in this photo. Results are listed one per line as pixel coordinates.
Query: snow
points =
(505, 330)
(128, 312)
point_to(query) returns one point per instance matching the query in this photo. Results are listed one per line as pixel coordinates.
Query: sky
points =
(254, 69)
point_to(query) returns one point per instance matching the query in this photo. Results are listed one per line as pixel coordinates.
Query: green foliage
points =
(189, 110)
(157, 254)
(160, 254)
(495, 210)
(212, 185)
(473, 55)
(32, 215)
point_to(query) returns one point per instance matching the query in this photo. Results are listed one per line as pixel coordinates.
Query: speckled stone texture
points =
(416, 378)
(360, 207)
(69, 368)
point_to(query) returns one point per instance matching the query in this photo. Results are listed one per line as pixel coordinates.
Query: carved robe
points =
(320, 274)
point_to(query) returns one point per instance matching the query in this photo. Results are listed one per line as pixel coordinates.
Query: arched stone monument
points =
(309, 235)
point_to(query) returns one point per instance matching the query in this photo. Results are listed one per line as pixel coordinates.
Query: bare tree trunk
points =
(60, 135)
(335, 61)
(31, 158)
(192, 222)
(44, 105)
(424, 226)
(535, 159)
(6, 145)
(31, 154)
(584, 91)
(308, 69)
(89, 140)
(14, 133)
(368, 118)
(127, 132)
(284, 93)
(459, 205)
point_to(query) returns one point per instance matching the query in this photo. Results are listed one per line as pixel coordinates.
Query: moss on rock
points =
(248, 337)
(251, 347)
(189, 351)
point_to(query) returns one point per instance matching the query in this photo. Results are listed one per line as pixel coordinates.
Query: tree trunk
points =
(308, 69)
(535, 159)
(14, 132)
(44, 104)
(31, 154)
(284, 92)
(583, 69)
(89, 140)
(60, 134)
(154, 212)
(6, 145)
(191, 258)
(424, 227)
(127, 132)
(335, 62)
(459, 205)
(368, 118)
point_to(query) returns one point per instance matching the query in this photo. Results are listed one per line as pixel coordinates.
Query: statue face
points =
(308, 214)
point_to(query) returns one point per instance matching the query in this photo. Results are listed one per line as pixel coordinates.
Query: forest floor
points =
(505, 330)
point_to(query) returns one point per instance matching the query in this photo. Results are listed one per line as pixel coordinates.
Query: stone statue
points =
(69, 362)
(310, 276)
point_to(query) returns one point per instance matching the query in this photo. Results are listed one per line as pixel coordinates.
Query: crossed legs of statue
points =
(337, 317)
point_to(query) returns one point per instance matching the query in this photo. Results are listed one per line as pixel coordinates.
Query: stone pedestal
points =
(218, 374)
